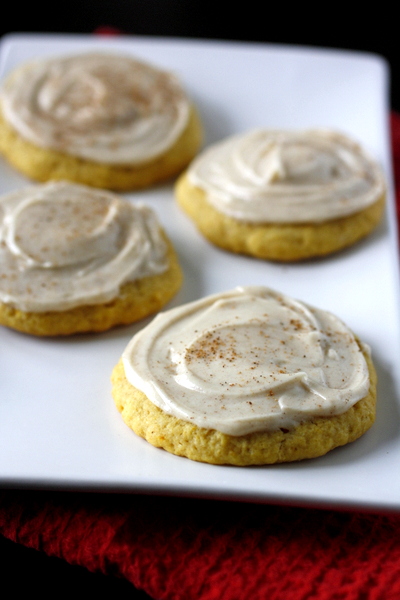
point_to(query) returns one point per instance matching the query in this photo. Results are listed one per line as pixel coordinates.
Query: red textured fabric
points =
(395, 132)
(183, 549)
(106, 30)
(190, 549)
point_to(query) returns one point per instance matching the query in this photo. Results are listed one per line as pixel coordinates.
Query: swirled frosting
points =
(64, 245)
(98, 106)
(250, 359)
(284, 176)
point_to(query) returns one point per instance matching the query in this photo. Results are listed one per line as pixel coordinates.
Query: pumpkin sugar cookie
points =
(76, 259)
(246, 377)
(100, 119)
(283, 195)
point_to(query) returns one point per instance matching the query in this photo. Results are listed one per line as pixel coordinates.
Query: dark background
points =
(328, 25)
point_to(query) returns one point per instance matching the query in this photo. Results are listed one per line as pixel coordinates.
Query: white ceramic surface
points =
(58, 424)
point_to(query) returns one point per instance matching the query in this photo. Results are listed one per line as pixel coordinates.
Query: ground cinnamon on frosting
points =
(250, 359)
(64, 245)
(104, 107)
(274, 176)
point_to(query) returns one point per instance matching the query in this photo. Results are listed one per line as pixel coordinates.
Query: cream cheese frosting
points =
(64, 245)
(283, 176)
(250, 359)
(104, 107)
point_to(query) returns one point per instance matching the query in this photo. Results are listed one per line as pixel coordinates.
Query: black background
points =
(328, 25)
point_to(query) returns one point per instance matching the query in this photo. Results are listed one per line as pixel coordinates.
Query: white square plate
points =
(58, 424)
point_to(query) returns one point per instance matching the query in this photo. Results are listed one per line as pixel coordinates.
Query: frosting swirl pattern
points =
(246, 360)
(102, 107)
(64, 245)
(282, 176)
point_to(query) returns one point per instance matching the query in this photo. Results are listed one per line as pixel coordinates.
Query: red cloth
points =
(191, 549)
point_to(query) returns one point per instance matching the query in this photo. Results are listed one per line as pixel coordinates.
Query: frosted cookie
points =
(283, 195)
(246, 377)
(78, 259)
(100, 119)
